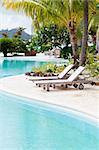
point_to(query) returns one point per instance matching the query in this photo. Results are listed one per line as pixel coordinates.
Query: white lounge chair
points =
(72, 80)
(60, 76)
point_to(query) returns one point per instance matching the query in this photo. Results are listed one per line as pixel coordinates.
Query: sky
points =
(10, 19)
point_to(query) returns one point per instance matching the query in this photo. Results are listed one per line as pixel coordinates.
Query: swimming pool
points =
(14, 66)
(34, 126)
(10, 67)
(31, 126)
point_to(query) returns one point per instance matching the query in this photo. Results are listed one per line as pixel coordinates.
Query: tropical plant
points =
(18, 33)
(5, 35)
(6, 46)
(66, 52)
(92, 65)
(94, 18)
(59, 69)
(67, 13)
(44, 68)
(62, 12)
(19, 45)
(48, 69)
(49, 37)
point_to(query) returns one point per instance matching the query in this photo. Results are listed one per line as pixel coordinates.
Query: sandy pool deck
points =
(85, 101)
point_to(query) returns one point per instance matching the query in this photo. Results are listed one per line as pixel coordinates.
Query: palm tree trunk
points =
(73, 40)
(97, 40)
(85, 34)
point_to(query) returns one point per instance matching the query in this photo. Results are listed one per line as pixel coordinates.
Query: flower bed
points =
(46, 70)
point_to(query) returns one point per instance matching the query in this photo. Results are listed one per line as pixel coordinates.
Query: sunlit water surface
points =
(10, 67)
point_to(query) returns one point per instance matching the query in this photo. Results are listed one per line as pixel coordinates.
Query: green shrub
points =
(59, 69)
(45, 47)
(49, 37)
(9, 45)
(65, 52)
(19, 45)
(6, 46)
(44, 68)
(92, 65)
(48, 68)
(93, 68)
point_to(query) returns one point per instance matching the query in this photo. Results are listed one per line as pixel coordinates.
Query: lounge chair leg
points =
(81, 86)
(54, 86)
(43, 87)
(93, 83)
(39, 85)
(50, 85)
(75, 85)
(66, 86)
(47, 87)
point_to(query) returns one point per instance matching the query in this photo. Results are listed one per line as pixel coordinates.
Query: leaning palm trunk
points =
(73, 40)
(97, 40)
(85, 34)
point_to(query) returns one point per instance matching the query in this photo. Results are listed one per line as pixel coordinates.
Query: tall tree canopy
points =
(67, 13)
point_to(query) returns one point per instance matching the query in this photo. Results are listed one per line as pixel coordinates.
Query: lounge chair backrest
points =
(65, 71)
(78, 71)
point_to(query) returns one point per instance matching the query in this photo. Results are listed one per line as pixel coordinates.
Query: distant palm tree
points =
(5, 35)
(19, 32)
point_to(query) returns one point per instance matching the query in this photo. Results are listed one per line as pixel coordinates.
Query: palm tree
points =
(68, 13)
(97, 34)
(62, 12)
(94, 20)
(85, 33)
(5, 34)
(97, 40)
(19, 31)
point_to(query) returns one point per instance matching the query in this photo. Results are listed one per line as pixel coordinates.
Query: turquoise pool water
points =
(10, 67)
(32, 126)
